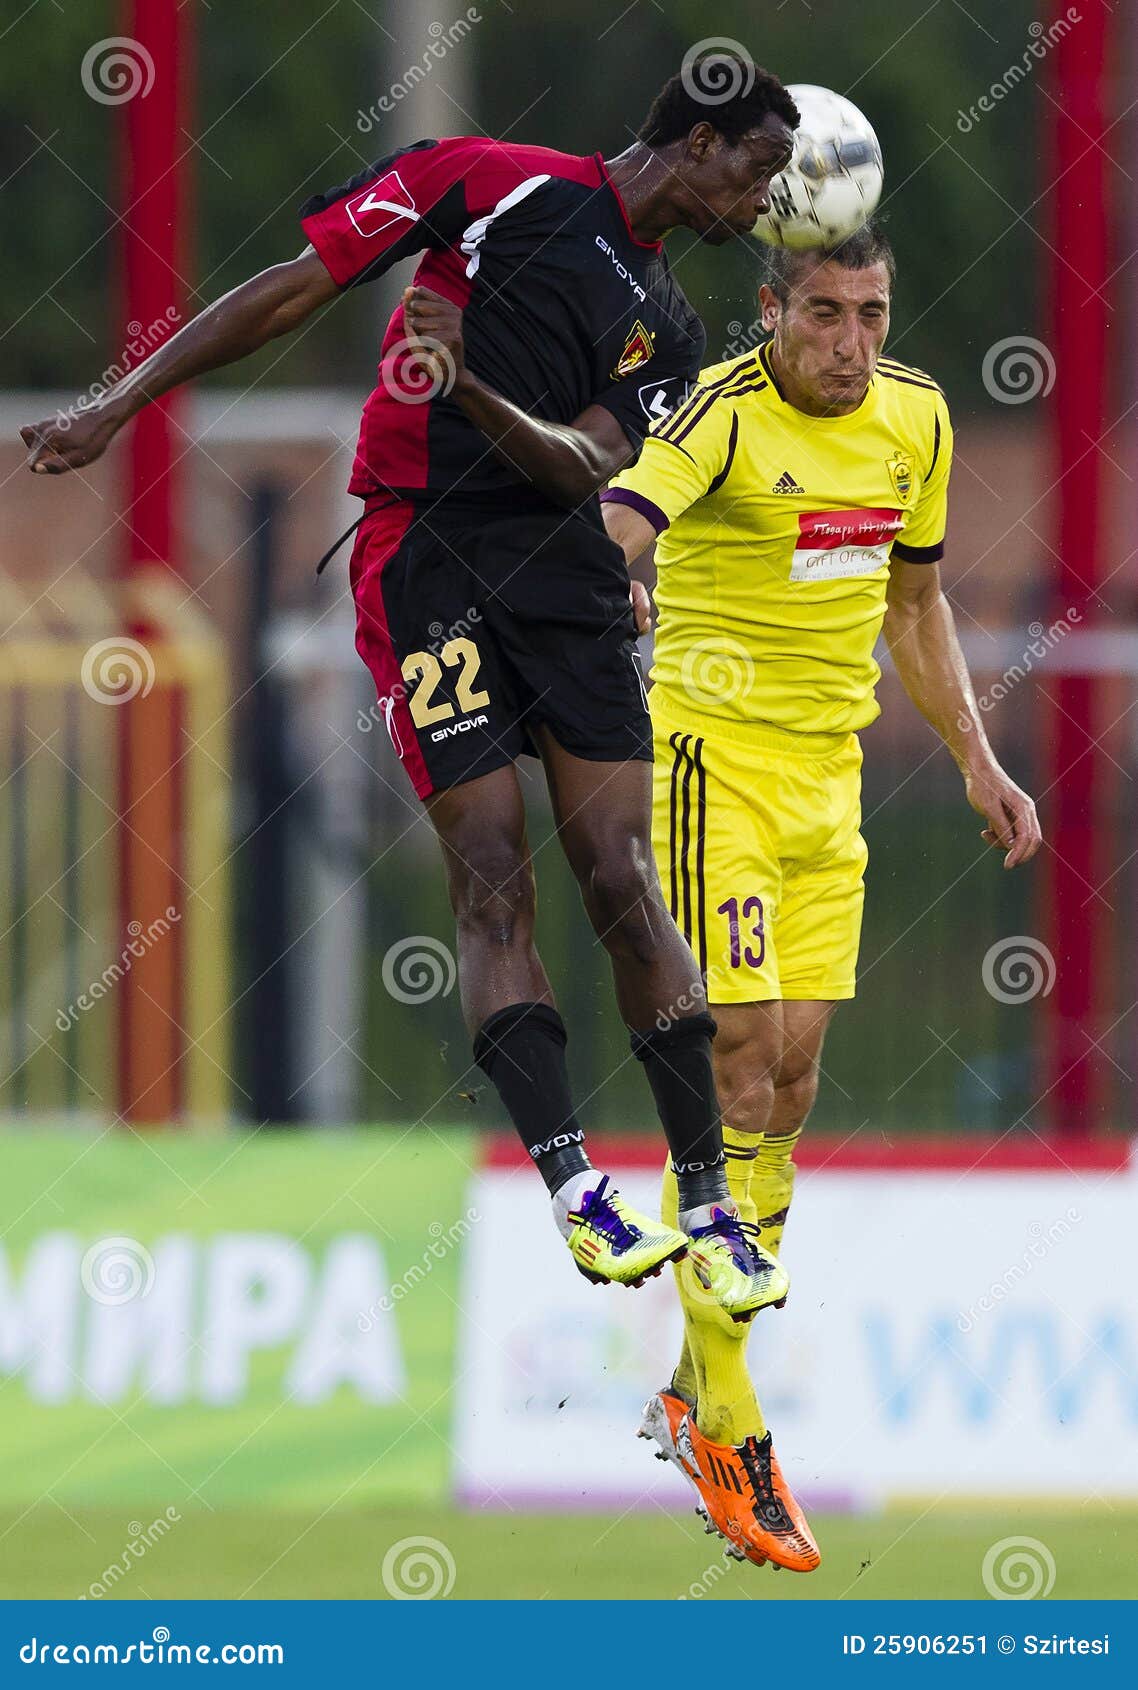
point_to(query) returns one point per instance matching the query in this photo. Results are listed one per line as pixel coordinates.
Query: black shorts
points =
(477, 625)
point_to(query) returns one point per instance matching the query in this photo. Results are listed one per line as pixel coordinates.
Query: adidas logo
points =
(787, 484)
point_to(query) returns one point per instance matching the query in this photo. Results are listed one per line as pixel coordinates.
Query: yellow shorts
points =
(756, 835)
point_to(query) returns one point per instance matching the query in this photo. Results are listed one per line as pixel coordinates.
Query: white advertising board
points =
(946, 1334)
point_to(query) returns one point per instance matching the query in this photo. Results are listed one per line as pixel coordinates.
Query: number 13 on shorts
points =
(762, 860)
(754, 950)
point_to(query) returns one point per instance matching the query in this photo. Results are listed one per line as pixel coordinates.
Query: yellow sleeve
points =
(683, 458)
(922, 537)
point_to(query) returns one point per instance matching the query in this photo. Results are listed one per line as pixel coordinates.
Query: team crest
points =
(637, 351)
(900, 467)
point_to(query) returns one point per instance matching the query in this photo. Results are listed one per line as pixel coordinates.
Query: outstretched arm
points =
(569, 462)
(921, 635)
(268, 305)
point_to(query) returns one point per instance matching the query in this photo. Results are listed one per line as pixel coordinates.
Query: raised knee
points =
(619, 890)
(796, 1088)
(491, 888)
(745, 1083)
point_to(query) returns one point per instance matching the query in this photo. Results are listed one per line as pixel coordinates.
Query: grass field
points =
(901, 1553)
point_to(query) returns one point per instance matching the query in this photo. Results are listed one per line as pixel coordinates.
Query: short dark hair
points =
(867, 245)
(723, 89)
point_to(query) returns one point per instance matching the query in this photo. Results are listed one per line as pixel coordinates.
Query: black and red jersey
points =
(562, 306)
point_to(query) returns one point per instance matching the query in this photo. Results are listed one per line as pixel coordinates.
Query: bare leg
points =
(766, 1063)
(482, 830)
(603, 814)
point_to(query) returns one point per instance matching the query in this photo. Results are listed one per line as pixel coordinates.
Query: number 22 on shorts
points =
(424, 671)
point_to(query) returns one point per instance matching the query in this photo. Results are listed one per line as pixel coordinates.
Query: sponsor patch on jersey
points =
(835, 544)
(382, 203)
(637, 351)
(658, 399)
(900, 467)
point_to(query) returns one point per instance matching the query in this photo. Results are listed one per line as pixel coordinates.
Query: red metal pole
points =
(155, 256)
(155, 175)
(1081, 934)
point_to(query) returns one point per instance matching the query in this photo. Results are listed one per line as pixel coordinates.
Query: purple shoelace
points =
(598, 1212)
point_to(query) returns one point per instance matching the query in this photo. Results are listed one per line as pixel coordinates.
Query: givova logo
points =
(211, 1310)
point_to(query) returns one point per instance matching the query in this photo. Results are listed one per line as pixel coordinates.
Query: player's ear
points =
(770, 308)
(701, 140)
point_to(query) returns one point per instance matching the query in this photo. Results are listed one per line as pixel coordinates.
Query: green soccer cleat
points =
(614, 1245)
(731, 1265)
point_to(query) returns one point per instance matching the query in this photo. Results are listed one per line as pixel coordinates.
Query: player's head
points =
(828, 310)
(724, 128)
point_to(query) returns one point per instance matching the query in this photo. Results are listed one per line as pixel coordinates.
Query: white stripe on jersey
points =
(473, 237)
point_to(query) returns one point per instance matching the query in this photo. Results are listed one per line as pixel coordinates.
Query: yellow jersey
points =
(775, 530)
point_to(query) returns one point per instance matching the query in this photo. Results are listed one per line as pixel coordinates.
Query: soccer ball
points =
(833, 182)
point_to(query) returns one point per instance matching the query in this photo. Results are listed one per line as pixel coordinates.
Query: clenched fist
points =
(434, 327)
(66, 442)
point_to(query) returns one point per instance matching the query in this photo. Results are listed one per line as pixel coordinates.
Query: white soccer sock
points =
(705, 1214)
(570, 1196)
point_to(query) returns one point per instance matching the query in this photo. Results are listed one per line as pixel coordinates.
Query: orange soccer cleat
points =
(742, 1493)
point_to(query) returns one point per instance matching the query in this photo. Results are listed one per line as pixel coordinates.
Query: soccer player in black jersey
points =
(542, 334)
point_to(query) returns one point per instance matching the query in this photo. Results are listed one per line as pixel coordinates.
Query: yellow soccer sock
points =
(740, 1153)
(772, 1185)
(684, 1379)
(713, 1364)
(760, 1172)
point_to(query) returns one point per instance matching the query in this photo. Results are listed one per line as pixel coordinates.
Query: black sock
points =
(522, 1051)
(677, 1061)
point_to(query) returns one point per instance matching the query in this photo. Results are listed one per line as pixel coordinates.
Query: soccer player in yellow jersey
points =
(797, 504)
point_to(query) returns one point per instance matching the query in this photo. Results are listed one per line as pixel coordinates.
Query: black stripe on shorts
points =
(688, 760)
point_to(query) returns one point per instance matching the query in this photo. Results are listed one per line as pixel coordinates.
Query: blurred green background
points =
(279, 121)
(923, 1048)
